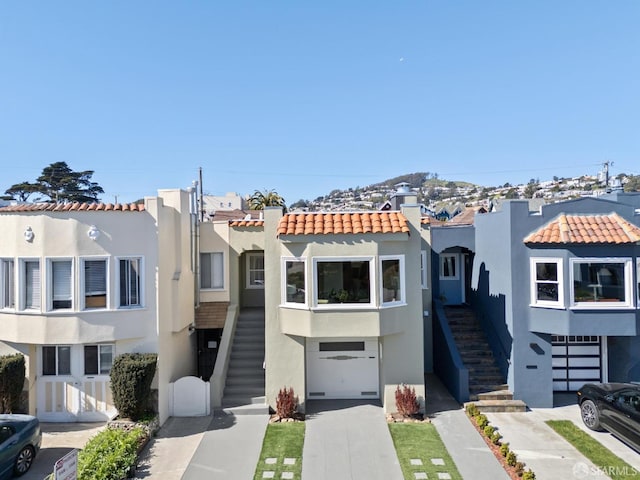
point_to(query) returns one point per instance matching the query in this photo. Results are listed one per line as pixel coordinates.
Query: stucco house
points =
(82, 283)
(335, 305)
(555, 290)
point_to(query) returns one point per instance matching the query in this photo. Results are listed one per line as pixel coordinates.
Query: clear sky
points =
(304, 97)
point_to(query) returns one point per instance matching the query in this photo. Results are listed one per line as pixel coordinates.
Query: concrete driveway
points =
(58, 439)
(548, 454)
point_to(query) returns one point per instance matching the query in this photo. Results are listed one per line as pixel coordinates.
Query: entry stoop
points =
(498, 401)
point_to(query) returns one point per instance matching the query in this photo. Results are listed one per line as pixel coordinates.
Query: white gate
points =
(189, 397)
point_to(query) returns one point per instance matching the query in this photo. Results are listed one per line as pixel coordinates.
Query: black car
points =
(614, 407)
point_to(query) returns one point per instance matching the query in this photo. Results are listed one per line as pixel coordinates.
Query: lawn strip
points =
(282, 440)
(421, 441)
(600, 456)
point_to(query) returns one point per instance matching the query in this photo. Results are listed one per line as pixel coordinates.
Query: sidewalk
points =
(465, 445)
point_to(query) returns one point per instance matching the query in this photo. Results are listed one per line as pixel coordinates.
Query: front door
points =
(452, 275)
(74, 383)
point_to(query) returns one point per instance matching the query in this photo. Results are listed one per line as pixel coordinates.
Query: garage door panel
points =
(576, 360)
(342, 368)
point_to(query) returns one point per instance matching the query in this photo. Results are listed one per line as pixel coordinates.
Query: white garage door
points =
(577, 359)
(342, 368)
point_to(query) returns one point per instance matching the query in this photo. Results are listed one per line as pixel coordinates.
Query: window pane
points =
(64, 360)
(90, 359)
(32, 284)
(255, 272)
(598, 282)
(205, 270)
(217, 269)
(547, 292)
(95, 283)
(295, 282)
(391, 281)
(341, 346)
(448, 266)
(129, 282)
(343, 282)
(106, 359)
(8, 288)
(61, 284)
(547, 271)
(48, 360)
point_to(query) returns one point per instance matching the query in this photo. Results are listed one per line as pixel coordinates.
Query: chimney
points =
(403, 196)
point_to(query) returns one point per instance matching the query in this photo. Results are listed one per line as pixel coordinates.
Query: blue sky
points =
(304, 97)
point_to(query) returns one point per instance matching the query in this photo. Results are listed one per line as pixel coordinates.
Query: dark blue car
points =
(20, 439)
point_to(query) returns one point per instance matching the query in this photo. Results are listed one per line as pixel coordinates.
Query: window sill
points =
(601, 306)
(549, 306)
(384, 306)
(222, 289)
(295, 306)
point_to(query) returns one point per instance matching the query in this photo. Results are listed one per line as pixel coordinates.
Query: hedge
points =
(12, 375)
(131, 377)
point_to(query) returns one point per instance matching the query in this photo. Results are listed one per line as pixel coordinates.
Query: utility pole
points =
(201, 197)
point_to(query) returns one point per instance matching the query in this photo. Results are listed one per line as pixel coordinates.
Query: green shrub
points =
(488, 431)
(528, 475)
(496, 437)
(482, 421)
(12, 374)
(472, 410)
(131, 377)
(512, 458)
(110, 455)
(504, 449)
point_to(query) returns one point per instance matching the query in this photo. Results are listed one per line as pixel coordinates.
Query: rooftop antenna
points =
(606, 174)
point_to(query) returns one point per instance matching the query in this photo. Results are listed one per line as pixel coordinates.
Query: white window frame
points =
(82, 283)
(57, 361)
(424, 272)
(7, 274)
(249, 256)
(99, 358)
(284, 301)
(49, 291)
(141, 282)
(213, 255)
(401, 273)
(23, 285)
(345, 306)
(628, 285)
(456, 257)
(533, 280)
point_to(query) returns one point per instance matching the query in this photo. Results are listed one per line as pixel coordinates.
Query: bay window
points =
(30, 284)
(94, 283)
(546, 282)
(129, 282)
(294, 288)
(60, 284)
(343, 281)
(7, 283)
(601, 283)
(392, 271)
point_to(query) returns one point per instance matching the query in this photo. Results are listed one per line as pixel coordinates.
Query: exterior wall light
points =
(28, 234)
(93, 233)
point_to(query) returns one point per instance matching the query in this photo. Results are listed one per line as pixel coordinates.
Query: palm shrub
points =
(12, 375)
(131, 377)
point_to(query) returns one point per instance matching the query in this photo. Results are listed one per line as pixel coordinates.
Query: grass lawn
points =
(421, 441)
(282, 440)
(600, 456)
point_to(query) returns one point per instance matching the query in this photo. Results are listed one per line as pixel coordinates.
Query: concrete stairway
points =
(486, 382)
(244, 387)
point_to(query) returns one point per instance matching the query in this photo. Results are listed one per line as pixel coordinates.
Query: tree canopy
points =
(58, 183)
(267, 198)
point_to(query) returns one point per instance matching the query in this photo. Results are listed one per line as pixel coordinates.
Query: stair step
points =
(500, 405)
(253, 381)
(496, 395)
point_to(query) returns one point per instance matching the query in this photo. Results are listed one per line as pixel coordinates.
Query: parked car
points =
(614, 407)
(20, 439)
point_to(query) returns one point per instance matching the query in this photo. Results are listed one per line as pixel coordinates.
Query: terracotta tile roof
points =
(586, 229)
(211, 314)
(74, 207)
(426, 220)
(342, 223)
(246, 223)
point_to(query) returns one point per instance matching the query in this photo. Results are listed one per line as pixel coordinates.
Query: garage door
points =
(577, 359)
(342, 368)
